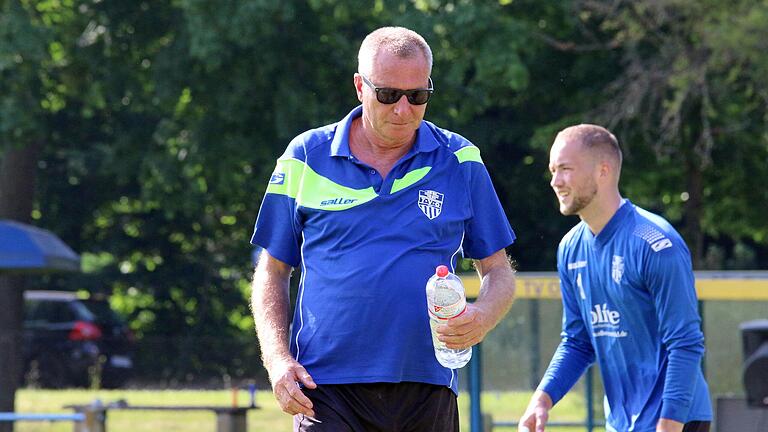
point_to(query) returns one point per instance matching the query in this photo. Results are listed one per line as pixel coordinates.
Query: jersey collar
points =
(607, 232)
(425, 140)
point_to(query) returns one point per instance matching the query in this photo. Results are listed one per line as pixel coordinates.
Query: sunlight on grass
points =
(503, 406)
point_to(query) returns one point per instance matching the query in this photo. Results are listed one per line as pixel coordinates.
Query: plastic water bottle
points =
(446, 300)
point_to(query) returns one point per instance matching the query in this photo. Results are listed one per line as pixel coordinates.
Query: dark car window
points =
(30, 311)
(102, 311)
(44, 311)
(52, 312)
(82, 312)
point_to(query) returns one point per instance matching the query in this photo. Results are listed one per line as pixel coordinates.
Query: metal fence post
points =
(590, 407)
(704, 357)
(475, 386)
(535, 344)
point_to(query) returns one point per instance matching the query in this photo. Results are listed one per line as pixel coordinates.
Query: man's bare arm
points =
(270, 302)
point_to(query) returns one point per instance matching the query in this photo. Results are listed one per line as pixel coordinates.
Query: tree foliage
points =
(692, 112)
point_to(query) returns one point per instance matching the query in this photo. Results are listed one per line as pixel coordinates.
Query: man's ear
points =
(358, 81)
(605, 168)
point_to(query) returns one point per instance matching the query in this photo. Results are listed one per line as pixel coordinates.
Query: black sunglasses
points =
(389, 96)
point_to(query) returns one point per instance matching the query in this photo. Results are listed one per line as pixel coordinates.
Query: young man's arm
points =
(573, 356)
(667, 425)
(669, 276)
(536, 415)
(270, 303)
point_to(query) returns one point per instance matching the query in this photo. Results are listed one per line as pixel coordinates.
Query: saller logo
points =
(337, 201)
(430, 203)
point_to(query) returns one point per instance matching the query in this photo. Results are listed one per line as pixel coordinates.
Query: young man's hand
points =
(667, 425)
(537, 414)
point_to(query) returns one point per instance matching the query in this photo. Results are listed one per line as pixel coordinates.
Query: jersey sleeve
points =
(487, 230)
(669, 275)
(277, 226)
(575, 352)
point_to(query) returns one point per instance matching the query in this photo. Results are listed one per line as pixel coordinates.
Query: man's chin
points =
(567, 211)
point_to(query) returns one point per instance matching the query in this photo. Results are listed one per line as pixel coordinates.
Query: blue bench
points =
(228, 419)
(14, 417)
(83, 421)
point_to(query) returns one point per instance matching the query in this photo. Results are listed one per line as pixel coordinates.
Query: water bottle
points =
(445, 300)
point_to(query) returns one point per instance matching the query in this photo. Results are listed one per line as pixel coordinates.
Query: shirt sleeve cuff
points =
(675, 410)
(551, 389)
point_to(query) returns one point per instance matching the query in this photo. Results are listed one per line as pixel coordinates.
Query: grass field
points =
(502, 406)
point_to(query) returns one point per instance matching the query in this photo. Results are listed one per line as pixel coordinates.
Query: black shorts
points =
(696, 426)
(380, 407)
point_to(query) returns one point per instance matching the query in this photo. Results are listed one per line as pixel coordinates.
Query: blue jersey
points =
(367, 246)
(629, 303)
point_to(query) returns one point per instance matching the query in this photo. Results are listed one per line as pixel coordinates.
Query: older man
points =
(368, 207)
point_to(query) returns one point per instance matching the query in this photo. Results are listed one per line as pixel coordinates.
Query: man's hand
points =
(497, 291)
(537, 414)
(667, 425)
(285, 376)
(465, 330)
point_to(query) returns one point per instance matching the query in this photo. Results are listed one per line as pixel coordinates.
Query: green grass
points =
(503, 406)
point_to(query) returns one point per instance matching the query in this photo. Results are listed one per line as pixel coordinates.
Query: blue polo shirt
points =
(366, 246)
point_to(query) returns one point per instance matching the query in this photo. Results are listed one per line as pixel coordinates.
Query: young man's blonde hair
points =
(596, 139)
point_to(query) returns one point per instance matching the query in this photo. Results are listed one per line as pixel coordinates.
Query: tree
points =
(689, 105)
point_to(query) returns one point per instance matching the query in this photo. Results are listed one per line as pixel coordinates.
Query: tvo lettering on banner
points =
(541, 288)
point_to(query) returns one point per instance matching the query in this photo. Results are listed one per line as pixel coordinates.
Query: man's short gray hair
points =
(399, 41)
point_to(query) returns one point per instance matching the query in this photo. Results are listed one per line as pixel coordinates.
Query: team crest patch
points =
(430, 203)
(617, 268)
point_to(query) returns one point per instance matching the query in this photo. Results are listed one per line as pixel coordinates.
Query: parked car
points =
(70, 341)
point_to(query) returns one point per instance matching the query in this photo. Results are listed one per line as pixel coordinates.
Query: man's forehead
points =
(565, 150)
(566, 144)
(389, 60)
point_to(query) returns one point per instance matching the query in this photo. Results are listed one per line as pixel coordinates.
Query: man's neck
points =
(600, 212)
(378, 154)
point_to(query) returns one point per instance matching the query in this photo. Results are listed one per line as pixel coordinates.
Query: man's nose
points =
(402, 105)
(556, 180)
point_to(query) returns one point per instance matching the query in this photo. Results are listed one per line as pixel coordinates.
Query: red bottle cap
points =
(441, 271)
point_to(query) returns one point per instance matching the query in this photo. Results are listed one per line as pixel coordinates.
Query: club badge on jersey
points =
(430, 203)
(617, 268)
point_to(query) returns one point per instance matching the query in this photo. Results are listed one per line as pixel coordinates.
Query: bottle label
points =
(437, 343)
(448, 312)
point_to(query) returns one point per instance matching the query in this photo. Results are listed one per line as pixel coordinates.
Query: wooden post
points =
(231, 420)
(487, 422)
(95, 418)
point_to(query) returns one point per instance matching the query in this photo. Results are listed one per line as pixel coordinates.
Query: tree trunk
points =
(11, 322)
(18, 169)
(693, 211)
(690, 134)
